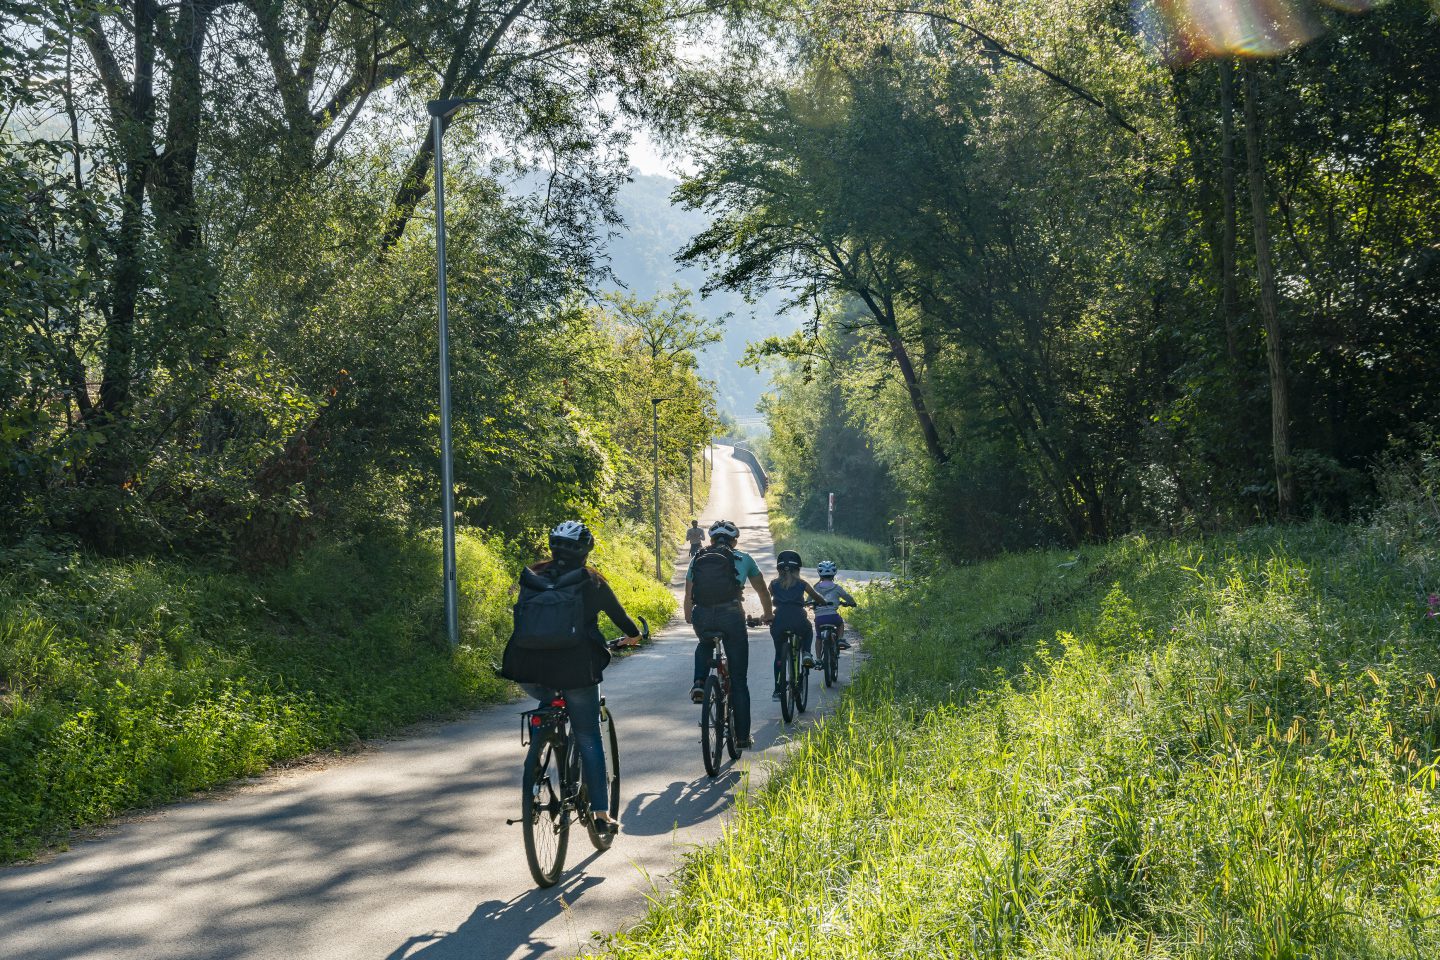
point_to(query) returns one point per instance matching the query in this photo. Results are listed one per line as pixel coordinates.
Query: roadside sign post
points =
(830, 515)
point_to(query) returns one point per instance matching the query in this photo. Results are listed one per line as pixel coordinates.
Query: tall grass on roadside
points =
(1211, 749)
(814, 545)
(123, 683)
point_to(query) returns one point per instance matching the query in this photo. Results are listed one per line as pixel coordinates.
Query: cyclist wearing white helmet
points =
(835, 597)
(714, 601)
(569, 589)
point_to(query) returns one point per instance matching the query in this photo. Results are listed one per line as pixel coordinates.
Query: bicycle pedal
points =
(511, 823)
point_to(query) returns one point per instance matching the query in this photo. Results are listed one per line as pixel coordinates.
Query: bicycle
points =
(794, 679)
(827, 649)
(552, 792)
(717, 718)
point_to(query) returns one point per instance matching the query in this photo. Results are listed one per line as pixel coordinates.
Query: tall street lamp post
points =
(440, 113)
(655, 422)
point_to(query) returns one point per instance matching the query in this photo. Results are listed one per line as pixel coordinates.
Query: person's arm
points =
(689, 604)
(609, 605)
(815, 594)
(758, 583)
(845, 595)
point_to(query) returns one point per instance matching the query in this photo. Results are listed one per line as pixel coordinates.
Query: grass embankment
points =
(813, 545)
(1207, 749)
(123, 683)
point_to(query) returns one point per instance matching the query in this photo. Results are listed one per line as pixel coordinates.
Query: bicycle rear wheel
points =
(713, 723)
(732, 743)
(542, 809)
(602, 839)
(787, 681)
(830, 656)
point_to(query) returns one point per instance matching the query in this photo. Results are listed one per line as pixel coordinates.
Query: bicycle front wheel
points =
(601, 839)
(713, 722)
(831, 652)
(542, 809)
(786, 680)
(802, 678)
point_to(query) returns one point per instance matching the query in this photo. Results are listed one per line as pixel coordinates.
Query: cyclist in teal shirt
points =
(714, 592)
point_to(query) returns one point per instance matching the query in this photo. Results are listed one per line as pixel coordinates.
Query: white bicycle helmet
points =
(826, 568)
(724, 528)
(571, 540)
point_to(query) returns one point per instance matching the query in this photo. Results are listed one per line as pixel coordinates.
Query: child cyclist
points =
(789, 593)
(835, 597)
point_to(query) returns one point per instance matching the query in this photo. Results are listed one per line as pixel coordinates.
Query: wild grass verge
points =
(1211, 749)
(124, 683)
(814, 545)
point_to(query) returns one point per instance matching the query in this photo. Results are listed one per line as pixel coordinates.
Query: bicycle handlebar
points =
(644, 635)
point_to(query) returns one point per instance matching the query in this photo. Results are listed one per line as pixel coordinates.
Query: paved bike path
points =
(403, 852)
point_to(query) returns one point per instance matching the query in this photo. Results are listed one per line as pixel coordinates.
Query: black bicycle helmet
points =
(571, 541)
(788, 560)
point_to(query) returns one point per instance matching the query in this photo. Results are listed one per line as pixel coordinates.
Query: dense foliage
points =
(1222, 748)
(130, 682)
(218, 266)
(1096, 286)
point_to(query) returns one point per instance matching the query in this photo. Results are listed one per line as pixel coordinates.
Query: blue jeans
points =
(729, 620)
(582, 705)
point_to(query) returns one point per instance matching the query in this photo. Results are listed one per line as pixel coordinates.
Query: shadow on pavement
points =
(508, 926)
(681, 804)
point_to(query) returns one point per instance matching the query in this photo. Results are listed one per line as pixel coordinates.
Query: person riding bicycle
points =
(835, 597)
(573, 670)
(789, 592)
(714, 592)
(695, 537)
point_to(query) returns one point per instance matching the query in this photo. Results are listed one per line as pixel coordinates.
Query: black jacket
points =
(568, 669)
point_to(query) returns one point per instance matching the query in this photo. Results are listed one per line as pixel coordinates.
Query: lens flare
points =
(1187, 30)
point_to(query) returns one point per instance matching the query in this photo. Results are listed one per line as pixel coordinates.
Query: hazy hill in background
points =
(642, 258)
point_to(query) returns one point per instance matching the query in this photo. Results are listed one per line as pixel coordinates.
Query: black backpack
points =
(550, 612)
(712, 577)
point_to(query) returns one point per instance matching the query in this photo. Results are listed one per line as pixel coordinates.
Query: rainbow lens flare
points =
(1188, 30)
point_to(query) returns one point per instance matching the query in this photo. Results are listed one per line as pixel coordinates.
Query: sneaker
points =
(747, 743)
(843, 645)
(611, 827)
(697, 693)
(808, 662)
(776, 695)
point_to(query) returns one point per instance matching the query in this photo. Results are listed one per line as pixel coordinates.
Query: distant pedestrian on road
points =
(695, 537)
(546, 654)
(714, 600)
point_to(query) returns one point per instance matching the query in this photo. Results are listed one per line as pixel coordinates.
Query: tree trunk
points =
(134, 115)
(917, 398)
(884, 315)
(1274, 344)
(1230, 298)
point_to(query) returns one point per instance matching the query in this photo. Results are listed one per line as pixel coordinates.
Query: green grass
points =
(1211, 749)
(813, 546)
(123, 683)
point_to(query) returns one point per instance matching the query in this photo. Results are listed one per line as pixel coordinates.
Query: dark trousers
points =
(729, 620)
(789, 622)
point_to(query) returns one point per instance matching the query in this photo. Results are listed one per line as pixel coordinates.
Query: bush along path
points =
(126, 683)
(1218, 748)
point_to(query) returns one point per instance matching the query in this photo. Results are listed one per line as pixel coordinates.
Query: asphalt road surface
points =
(403, 851)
